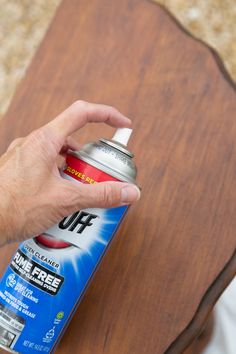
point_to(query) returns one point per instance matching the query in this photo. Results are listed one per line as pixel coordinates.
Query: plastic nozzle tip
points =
(122, 136)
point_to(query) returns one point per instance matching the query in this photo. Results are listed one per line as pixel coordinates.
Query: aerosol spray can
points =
(48, 274)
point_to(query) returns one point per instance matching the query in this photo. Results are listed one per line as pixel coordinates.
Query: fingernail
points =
(128, 120)
(130, 194)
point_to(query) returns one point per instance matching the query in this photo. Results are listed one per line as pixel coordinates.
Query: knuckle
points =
(38, 135)
(113, 110)
(42, 141)
(16, 142)
(79, 104)
(71, 198)
(107, 195)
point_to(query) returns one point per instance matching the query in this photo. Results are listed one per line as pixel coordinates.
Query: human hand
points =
(33, 194)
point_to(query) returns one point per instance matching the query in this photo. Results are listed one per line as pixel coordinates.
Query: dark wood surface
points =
(202, 340)
(173, 255)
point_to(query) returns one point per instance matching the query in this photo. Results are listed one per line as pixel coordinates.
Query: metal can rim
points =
(117, 146)
(102, 167)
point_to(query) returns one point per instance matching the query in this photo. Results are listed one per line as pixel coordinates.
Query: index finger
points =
(80, 113)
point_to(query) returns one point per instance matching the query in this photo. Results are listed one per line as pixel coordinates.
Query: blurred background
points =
(23, 24)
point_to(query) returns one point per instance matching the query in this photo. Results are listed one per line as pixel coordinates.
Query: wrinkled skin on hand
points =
(33, 194)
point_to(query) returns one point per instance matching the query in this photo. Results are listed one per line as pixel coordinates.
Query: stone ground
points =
(23, 23)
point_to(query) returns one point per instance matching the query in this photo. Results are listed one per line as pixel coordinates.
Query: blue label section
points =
(45, 280)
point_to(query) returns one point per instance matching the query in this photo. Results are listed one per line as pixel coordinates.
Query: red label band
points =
(51, 242)
(84, 172)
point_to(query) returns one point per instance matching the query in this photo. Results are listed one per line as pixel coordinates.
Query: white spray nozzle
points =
(122, 136)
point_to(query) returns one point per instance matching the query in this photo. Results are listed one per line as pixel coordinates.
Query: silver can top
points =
(111, 156)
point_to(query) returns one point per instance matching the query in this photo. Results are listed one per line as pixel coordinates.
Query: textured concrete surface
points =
(213, 21)
(23, 24)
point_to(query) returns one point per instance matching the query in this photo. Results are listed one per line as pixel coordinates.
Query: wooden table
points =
(175, 252)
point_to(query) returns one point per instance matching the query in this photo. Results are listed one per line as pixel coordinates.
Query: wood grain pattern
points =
(177, 243)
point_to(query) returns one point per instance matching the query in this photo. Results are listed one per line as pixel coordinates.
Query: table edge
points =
(203, 312)
(215, 290)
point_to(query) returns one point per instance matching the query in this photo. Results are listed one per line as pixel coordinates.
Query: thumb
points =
(99, 195)
(15, 143)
